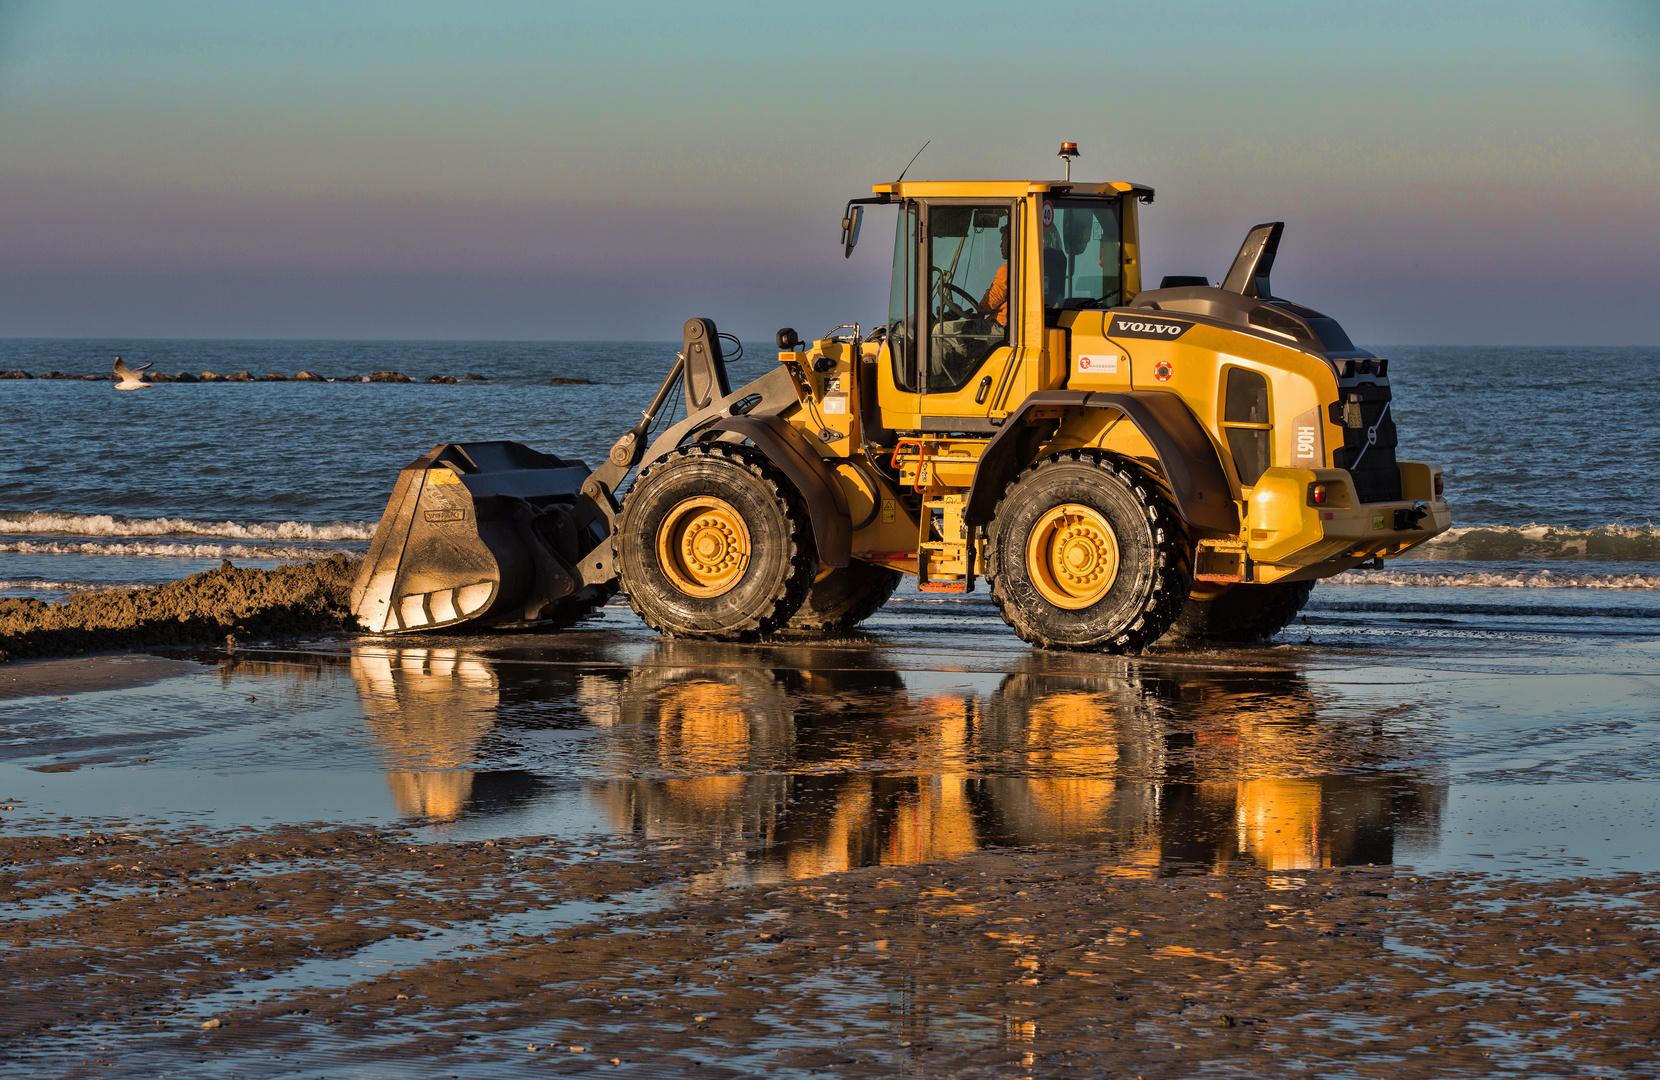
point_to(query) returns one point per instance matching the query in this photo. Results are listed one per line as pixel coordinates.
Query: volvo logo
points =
(1147, 328)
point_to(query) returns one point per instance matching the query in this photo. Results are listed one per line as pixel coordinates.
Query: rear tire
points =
(1245, 613)
(1085, 553)
(846, 597)
(713, 542)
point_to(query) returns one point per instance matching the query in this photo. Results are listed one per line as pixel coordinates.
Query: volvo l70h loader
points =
(1117, 465)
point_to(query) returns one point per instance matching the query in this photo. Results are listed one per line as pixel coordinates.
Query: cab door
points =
(967, 288)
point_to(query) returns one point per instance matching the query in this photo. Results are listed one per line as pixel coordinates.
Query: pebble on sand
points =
(212, 1023)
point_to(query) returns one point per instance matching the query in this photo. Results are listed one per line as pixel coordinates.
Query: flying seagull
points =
(128, 378)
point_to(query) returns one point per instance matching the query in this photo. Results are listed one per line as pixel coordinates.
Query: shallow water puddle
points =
(887, 748)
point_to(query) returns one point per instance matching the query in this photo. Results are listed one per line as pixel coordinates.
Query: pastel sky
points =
(1450, 172)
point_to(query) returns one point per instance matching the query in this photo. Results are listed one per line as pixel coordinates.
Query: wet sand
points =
(34, 678)
(997, 962)
(1396, 849)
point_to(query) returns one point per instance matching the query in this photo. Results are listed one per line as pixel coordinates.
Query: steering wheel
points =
(950, 308)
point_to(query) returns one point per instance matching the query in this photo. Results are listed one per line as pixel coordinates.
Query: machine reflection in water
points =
(428, 708)
(818, 758)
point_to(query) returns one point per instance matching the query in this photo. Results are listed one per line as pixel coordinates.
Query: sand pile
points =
(307, 598)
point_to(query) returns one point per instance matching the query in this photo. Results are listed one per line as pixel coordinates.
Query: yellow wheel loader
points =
(1118, 465)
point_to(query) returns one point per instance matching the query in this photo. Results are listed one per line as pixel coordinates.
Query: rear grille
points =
(1377, 478)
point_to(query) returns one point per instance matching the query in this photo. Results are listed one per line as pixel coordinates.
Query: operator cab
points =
(982, 274)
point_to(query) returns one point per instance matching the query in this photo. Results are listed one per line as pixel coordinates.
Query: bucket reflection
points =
(428, 708)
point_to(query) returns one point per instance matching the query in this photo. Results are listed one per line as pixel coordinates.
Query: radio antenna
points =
(908, 164)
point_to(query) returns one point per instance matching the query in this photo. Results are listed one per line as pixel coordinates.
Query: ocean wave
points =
(1531, 611)
(1498, 543)
(140, 549)
(67, 586)
(1498, 579)
(37, 522)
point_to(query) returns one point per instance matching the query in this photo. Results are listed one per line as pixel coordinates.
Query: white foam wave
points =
(1489, 543)
(140, 549)
(38, 522)
(1503, 579)
(66, 586)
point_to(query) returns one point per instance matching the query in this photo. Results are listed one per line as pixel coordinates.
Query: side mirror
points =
(851, 222)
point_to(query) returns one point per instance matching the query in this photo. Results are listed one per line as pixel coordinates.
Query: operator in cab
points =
(996, 301)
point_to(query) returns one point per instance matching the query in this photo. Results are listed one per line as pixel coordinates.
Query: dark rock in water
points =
(100, 378)
(276, 377)
(212, 376)
(185, 376)
(569, 382)
(15, 375)
(241, 376)
(442, 379)
(388, 376)
(473, 376)
(158, 377)
(56, 375)
(307, 376)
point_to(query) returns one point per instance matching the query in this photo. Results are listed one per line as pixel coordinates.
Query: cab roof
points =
(1007, 189)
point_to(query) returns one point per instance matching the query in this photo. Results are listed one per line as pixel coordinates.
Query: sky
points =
(1450, 172)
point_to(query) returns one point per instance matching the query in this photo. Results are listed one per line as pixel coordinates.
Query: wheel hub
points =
(1072, 556)
(703, 546)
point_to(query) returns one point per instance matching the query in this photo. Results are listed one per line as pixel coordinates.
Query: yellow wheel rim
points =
(1072, 556)
(703, 546)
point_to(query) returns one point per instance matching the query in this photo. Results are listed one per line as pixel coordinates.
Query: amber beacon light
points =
(1069, 150)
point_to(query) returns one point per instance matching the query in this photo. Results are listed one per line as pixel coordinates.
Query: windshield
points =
(1081, 254)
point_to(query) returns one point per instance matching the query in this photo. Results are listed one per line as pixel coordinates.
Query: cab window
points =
(1081, 255)
(902, 344)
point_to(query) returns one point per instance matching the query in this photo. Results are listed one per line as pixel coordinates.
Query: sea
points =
(1550, 464)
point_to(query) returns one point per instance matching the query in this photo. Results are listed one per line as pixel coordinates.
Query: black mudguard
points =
(1186, 454)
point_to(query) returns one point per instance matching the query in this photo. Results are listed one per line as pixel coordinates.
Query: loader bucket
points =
(482, 533)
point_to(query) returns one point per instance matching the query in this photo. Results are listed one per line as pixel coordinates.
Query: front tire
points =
(1085, 553)
(713, 542)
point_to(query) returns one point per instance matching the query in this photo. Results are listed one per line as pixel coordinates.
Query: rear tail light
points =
(1439, 486)
(1317, 495)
